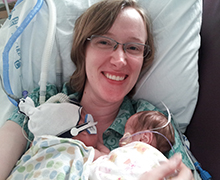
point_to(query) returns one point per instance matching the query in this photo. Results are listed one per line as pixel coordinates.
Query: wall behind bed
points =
(204, 130)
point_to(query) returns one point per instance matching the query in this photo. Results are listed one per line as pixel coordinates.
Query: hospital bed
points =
(48, 27)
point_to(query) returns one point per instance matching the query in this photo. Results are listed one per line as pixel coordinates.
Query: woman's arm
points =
(12, 143)
(167, 169)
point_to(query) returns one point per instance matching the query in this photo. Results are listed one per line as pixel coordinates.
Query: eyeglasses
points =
(107, 44)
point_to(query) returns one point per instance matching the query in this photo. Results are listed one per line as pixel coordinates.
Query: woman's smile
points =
(115, 77)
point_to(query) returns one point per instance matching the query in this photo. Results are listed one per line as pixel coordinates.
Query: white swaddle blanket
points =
(128, 162)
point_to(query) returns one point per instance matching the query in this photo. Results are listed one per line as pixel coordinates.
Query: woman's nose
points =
(119, 58)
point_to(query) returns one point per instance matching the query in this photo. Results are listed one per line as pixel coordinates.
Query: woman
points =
(112, 45)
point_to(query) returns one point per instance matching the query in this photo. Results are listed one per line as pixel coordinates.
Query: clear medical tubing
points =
(11, 41)
(7, 7)
(47, 50)
(123, 140)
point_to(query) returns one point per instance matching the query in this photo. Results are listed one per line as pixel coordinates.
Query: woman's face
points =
(110, 76)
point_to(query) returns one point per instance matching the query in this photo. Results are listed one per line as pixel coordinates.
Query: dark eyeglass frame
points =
(124, 45)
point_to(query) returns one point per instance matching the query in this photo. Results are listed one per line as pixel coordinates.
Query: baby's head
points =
(88, 135)
(149, 120)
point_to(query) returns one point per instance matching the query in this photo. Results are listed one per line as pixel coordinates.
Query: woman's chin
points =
(114, 96)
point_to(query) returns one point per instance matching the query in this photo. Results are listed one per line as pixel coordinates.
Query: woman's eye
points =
(133, 48)
(103, 42)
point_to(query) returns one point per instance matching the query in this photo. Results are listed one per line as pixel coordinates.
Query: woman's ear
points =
(147, 137)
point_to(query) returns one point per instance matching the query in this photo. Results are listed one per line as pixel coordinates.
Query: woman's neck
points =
(103, 112)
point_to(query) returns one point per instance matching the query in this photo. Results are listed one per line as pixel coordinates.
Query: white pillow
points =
(172, 79)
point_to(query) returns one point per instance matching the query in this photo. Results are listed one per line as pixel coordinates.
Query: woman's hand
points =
(169, 168)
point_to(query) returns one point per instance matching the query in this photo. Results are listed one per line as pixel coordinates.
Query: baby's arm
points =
(100, 150)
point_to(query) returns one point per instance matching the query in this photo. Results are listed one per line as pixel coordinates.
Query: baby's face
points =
(131, 122)
(86, 138)
(129, 130)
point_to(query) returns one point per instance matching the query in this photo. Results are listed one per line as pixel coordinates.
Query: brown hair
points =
(98, 19)
(148, 120)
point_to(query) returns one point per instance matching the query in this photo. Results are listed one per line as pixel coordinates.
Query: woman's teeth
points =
(114, 77)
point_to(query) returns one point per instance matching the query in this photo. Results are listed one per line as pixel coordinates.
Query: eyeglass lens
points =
(108, 44)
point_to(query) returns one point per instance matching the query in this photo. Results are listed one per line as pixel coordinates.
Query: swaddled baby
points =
(139, 152)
